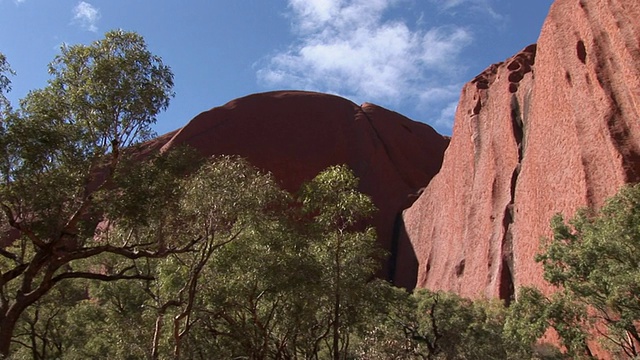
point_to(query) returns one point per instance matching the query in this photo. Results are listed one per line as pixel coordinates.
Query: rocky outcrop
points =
(550, 130)
(295, 135)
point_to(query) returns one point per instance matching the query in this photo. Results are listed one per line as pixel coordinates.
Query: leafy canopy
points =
(595, 259)
(63, 161)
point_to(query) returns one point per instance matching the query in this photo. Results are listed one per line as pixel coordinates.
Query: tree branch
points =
(16, 225)
(130, 252)
(100, 277)
(12, 274)
(9, 255)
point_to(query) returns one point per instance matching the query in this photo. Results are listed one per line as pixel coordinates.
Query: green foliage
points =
(333, 200)
(347, 256)
(253, 286)
(594, 260)
(5, 70)
(530, 317)
(148, 190)
(63, 159)
(102, 97)
(226, 202)
(111, 89)
(5, 83)
(43, 329)
(222, 263)
(276, 283)
(437, 325)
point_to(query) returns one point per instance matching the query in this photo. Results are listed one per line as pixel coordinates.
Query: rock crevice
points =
(506, 289)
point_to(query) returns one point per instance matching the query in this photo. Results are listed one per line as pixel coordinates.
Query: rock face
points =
(550, 130)
(295, 135)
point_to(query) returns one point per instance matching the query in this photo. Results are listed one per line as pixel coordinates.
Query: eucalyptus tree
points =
(594, 260)
(436, 325)
(297, 283)
(261, 290)
(162, 316)
(225, 201)
(5, 82)
(64, 156)
(346, 251)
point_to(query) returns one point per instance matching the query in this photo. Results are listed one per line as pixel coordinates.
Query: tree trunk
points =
(156, 337)
(336, 328)
(7, 325)
(336, 305)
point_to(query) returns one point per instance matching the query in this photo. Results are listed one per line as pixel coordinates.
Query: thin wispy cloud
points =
(86, 15)
(354, 48)
(447, 114)
(441, 103)
(448, 4)
(434, 95)
(477, 6)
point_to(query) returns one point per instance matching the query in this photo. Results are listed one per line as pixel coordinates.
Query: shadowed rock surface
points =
(550, 130)
(295, 135)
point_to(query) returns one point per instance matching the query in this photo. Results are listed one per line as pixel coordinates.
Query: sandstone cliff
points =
(295, 135)
(550, 130)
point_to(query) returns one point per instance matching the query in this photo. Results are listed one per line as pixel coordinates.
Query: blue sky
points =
(410, 56)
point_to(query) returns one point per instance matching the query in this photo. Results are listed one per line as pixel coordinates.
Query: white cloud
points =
(440, 45)
(440, 103)
(448, 4)
(481, 6)
(349, 47)
(447, 114)
(439, 94)
(86, 15)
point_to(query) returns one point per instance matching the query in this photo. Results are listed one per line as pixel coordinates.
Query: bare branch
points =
(131, 252)
(100, 277)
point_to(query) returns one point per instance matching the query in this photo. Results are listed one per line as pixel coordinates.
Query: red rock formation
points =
(296, 135)
(550, 130)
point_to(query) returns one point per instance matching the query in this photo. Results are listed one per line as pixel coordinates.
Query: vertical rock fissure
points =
(609, 70)
(477, 141)
(619, 130)
(398, 229)
(506, 286)
(398, 224)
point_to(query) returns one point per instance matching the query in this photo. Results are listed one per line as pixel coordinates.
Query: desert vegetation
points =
(108, 252)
